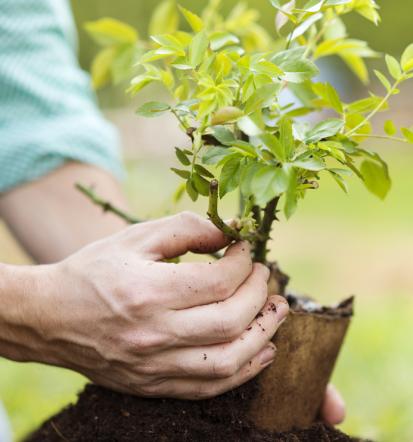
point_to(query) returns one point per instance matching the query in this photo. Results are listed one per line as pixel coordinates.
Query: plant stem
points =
(376, 109)
(382, 137)
(214, 216)
(106, 205)
(264, 231)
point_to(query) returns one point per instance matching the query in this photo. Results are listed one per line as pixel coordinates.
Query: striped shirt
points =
(48, 112)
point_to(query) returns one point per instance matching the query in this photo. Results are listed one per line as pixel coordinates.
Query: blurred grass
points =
(336, 245)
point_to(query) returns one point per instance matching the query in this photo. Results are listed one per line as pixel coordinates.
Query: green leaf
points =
(325, 129)
(291, 198)
(383, 80)
(202, 171)
(286, 137)
(390, 128)
(327, 92)
(408, 134)
(407, 59)
(229, 178)
(101, 69)
(221, 39)
(376, 178)
(247, 175)
(249, 126)
(123, 63)
(198, 49)
(366, 105)
(201, 184)
(262, 97)
(165, 18)
(305, 26)
(182, 157)
(215, 154)
(193, 20)
(394, 67)
(191, 191)
(182, 173)
(274, 145)
(223, 135)
(153, 109)
(269, 182)
(298, 71)
(313, 164)
(108, 31)
(339, 180)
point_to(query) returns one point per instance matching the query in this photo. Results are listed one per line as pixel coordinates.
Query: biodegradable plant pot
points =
(291, 390)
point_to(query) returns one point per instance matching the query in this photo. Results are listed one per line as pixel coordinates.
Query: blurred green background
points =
(336, 245)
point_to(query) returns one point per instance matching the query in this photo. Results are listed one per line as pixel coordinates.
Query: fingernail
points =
(282, 311)
(267, 355)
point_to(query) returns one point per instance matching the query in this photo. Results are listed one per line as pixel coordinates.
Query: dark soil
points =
(104, 416)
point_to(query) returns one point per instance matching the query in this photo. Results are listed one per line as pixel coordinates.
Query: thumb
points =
(186, 232)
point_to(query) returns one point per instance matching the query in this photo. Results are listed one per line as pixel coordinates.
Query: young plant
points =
(240, 95)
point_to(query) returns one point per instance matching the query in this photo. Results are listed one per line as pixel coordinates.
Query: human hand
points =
(133, 323)
(333, 410)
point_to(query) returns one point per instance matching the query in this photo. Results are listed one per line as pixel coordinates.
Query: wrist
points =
(24, 318)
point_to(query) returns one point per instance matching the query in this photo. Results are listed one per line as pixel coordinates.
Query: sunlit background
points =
(335, 245)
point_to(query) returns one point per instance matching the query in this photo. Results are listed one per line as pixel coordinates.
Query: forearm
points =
(22, 317)
(51, 219)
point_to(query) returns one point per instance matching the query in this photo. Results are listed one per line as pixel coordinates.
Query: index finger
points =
(195, 284)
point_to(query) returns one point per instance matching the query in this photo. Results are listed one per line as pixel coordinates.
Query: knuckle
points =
(231, 328)
(225, 368)
(145, 343)
(150, 390)
(220, 288)
(190, 218)
(205, 391)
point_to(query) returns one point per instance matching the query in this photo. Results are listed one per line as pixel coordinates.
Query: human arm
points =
(52, 220)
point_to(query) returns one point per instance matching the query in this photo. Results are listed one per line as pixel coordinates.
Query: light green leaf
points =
(407, 59)
(291, 198)
(153, 109)
(298, 71)
(223, 135)
(286, 137)
(193, 20)
(313, 164)
(221, 39)
(390, 128)
(268, 183)
(325, 129)
(165, 18)
(394, 67)
(305, 26)
(408, 134)
(214, 155)
(108, 31)
(229, 178)
(274, 145)
(101, 69)
(198, 48)
(376, 178)
(383, 80)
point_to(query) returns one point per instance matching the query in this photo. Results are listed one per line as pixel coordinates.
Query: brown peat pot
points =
(291, 390)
